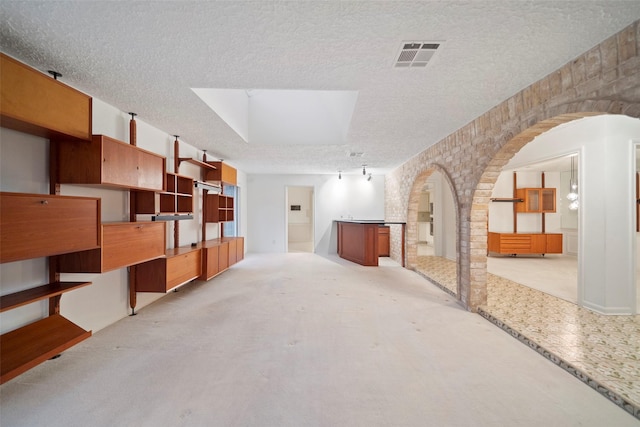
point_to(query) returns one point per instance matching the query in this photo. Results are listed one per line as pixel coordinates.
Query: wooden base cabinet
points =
(180, 266)
(384, 242)
(123, 244)
(524, 243)
(220, 254)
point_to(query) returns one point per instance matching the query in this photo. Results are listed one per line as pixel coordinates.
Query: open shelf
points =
(18, 299)
(197, 162)
(27, 347)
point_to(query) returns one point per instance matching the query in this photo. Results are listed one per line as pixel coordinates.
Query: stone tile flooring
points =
(602, 351)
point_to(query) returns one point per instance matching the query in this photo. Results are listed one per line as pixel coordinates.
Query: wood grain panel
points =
(35, 225)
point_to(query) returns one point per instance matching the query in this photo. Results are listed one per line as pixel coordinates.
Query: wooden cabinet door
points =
(240, 249)
(182, 268)
(34, 225)
(125, 244)
(548, 200)
(211, 262)
(150, 170)
(223, 256)
(538, 244)
(383, 241)
(233, 251)
(119, 162)
(554, 243)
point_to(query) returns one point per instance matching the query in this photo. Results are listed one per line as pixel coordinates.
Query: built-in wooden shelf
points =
(18, 299)
(197, 162)
(171, 217)
(27, 347)
(506, 199)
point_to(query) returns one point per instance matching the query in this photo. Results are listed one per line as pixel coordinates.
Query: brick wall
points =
(604, 80)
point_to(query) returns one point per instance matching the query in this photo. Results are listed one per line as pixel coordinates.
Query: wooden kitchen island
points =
(358, 240)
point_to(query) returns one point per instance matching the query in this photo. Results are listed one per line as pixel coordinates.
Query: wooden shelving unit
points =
(50, 290)
(27, 347)
(219, 208)
(196, 162)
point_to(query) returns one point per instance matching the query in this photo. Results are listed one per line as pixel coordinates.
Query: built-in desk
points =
(358, 240)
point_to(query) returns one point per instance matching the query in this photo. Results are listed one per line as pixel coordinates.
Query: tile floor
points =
(602, 351)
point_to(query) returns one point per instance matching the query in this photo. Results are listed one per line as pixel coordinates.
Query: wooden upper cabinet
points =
(108, 161)
(38, 225)
(123, 244)
(223, 173)
(536, 200)
(35, 103)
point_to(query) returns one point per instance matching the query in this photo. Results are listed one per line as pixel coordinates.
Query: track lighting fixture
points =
(339, 174)
(364, 170)
(369, 178)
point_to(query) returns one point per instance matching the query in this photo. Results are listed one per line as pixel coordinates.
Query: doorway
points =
(300, 219)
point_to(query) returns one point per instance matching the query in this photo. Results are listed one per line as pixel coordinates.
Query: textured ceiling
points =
(146, 56)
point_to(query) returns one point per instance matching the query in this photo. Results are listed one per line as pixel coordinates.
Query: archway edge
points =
(412, 215)
(481, 197)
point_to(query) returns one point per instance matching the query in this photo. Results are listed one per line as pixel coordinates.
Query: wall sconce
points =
(573, 189)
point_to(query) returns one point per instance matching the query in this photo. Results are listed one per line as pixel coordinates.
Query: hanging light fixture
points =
(339, 174)
(364, 170)
(573, 189)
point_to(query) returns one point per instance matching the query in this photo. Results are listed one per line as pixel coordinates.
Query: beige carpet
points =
(301, 340)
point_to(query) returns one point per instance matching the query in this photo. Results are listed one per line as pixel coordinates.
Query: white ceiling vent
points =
(355, 154)
(416, 54)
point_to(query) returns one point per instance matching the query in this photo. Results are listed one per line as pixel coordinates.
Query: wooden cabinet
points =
(180, 266)
(123, 244)
(384, 240)
(109, 162)
(39, 225)
(536, 200)
(222, 173)
(219, 208)
(524, 243)
(220, 254)
(358, 242)
(35, 103)
(177, 199)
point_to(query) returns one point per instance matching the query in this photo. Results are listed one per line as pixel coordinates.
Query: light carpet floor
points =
(302, 340)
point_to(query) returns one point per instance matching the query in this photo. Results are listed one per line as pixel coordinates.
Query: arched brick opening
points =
(412, 217)
(477, 267)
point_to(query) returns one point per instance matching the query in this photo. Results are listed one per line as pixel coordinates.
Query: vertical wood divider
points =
(54, 188)
(515, 209)
(176, 166)
(133, 296)
(544, 218)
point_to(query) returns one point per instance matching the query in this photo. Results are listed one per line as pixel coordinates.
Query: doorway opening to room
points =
(300, 219)
(431, 244)
(533, 224)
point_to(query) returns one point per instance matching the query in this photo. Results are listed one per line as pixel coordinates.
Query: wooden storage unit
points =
(27, 347)
(50, 290)
(110, 162)
(177, 199)
(123, 244)
(384, 240)
(220, 254)
(35, 103)
(219, 208)
(524, 243)
(180, 266)
(536, 200)
(223, 173)
(39, 225)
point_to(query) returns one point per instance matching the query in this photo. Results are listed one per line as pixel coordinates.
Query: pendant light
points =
(573, 189)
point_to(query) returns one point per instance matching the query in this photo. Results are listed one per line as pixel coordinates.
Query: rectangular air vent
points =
(416, 54)
(354, 154)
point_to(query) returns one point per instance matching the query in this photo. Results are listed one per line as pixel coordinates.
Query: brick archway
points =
(412, 216)
(604, 80)
(479, 214)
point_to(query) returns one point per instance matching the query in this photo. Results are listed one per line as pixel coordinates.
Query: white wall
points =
(501, 213)
(350, 197)
(24, 168)
(300, 226)
(606, 218)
